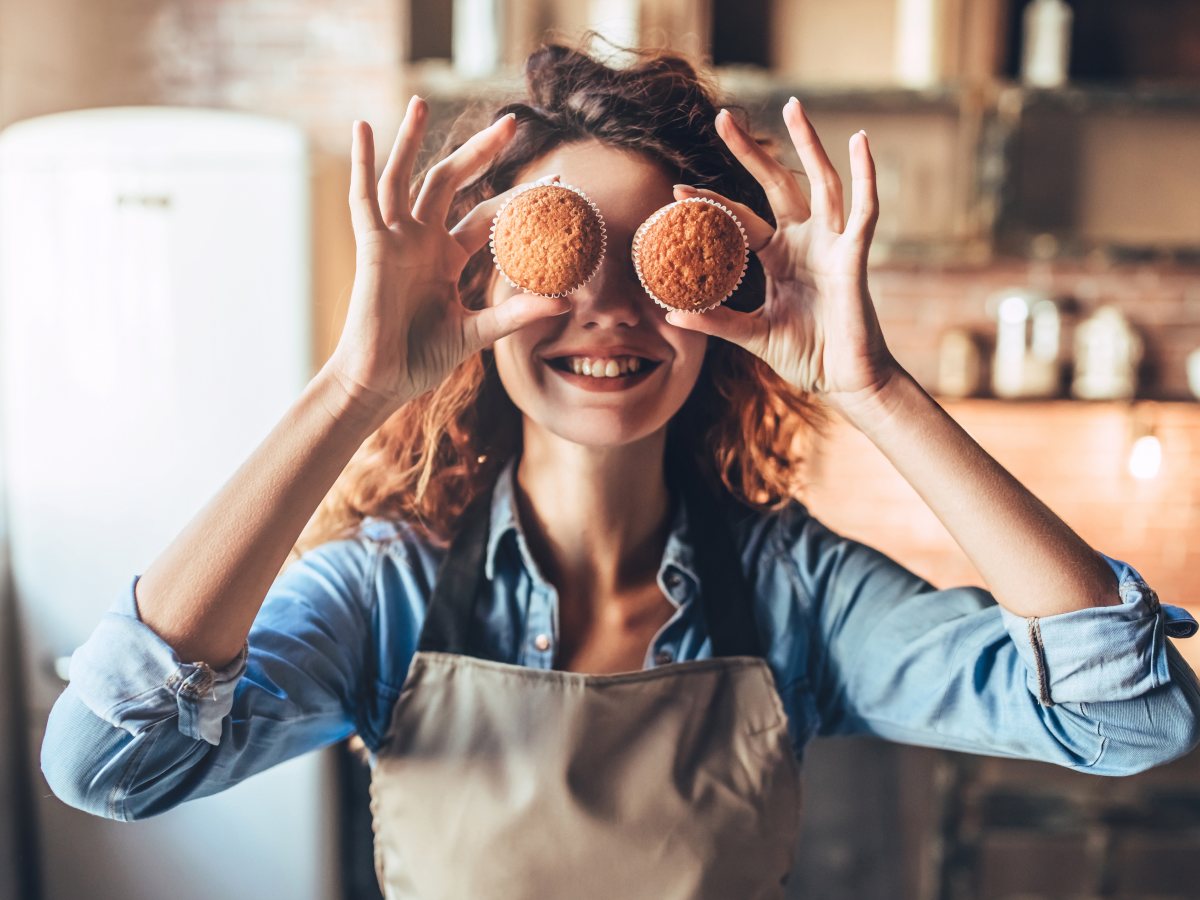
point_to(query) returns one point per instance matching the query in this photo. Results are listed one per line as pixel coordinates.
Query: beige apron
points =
(505, 782)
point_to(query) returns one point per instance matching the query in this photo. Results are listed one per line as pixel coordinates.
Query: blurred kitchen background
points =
(175, 260)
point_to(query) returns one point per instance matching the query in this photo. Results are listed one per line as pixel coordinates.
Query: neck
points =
(596, 518)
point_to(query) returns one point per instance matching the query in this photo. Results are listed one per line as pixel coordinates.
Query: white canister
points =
(1026, 361)
(1193, 372)
(1107, 353)
(1046, 43)
(960, 364)
(476, 30)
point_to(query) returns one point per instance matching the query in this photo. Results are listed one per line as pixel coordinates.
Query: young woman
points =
(584, 629)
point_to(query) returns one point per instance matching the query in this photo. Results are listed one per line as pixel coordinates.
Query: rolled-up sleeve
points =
(1101, 690)
(138, 730)
(131, 678)
(1105, 653)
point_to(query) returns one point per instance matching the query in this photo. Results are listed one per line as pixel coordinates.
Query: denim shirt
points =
(856, 643)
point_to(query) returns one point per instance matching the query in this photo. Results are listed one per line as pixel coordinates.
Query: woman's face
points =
(610, 310)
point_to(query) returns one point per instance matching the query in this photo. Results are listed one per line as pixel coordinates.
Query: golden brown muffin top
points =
(692, 256)
(548, 240)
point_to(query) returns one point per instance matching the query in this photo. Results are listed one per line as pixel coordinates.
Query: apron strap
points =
(451, 614)
(726, 601)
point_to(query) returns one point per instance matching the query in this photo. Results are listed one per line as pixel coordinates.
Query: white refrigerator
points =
(155, 323)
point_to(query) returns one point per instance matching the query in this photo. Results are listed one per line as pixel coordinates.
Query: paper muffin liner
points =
(658, 214)
(542, 182)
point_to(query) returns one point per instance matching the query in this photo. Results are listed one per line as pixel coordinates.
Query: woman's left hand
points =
(817, 328)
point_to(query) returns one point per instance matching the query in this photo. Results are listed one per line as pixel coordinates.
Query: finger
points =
(447, 176)
(823, 179)
(393, 184)
(758, 229)
(746, 329)
(364, 205)
(486, 326)
(474, 229)
(864, 195)
(783, 191)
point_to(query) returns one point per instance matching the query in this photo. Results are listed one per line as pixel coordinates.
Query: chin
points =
(596, 428)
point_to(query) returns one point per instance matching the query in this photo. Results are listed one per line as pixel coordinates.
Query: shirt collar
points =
(677, 553)
(503, 515)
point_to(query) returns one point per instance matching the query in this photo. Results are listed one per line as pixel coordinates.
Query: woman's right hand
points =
(406, 327)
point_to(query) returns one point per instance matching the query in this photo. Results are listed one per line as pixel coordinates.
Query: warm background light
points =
(1145, 459)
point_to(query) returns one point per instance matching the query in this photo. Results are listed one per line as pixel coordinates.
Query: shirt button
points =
(542, 642)
(674, 579)
(662, 657)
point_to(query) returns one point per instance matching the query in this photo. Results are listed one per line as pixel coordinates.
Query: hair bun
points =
(554, 71)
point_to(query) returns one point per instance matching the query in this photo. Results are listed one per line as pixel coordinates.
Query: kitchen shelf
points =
(1175, 406)
(757, 86)
(749, 85)
(963, 157)
(1102, 97)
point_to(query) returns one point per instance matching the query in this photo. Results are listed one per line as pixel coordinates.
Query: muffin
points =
(691, 254)
(548, 239)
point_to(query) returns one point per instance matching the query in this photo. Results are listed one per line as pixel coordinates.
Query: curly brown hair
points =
(739, 425)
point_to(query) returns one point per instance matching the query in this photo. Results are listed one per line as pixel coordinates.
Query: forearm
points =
(202, 593)
(1031, 561)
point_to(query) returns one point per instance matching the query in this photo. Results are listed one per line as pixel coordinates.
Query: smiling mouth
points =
(645, 366)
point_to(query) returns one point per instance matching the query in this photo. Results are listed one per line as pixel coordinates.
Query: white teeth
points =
(604, 368)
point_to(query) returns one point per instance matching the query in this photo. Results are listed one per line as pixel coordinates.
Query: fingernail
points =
(686, 188)
(792, 100)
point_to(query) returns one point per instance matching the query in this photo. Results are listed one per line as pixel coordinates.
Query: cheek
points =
(506, 355)
(516, 363)
(692, 349)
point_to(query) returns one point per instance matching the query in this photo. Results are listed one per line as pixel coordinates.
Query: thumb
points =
(723, 322)
(494, 322)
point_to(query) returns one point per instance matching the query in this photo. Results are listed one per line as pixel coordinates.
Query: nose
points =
(613, 297)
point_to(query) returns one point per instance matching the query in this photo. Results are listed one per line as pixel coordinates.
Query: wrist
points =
(346, 401)
(871, 408)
